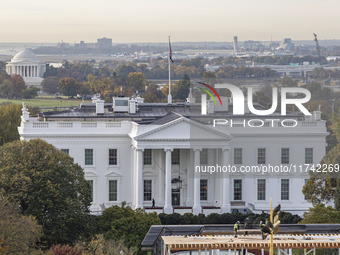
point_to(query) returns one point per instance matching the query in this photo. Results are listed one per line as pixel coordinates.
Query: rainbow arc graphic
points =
(209, 93)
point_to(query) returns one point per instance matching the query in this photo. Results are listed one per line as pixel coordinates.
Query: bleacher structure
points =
(284, 244)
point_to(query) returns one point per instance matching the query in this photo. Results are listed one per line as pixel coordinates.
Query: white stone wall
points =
(100, 136)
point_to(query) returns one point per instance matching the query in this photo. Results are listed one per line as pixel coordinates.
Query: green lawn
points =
(45, 102)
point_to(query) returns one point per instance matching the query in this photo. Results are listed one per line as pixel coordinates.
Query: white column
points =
(139, 179)
(168, 204)
(196, 209)
(225, 207)
(161, 178)
(190, 180)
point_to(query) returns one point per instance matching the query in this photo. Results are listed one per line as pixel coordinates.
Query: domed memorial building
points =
(28, 66)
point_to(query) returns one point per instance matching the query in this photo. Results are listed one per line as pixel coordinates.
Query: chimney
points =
(317, 115)
(100, 107)
(132, 106)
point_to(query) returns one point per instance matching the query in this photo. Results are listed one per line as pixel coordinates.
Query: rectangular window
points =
(308, 155)
(113, 190)
(204, 157)
(204, 189)
(237, 189)
(112, 156)
(66, 151)
(284, 155)
(238, 156)
(89, 157)
(175, 157)
(147, 157)
(284, 189)
(261, 156)
(147, 190)
(91, 185)
(261, 189)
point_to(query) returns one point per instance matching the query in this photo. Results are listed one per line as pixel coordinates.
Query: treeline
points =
(14, 87)
(245, 72)
(325, 74)
(114, 86)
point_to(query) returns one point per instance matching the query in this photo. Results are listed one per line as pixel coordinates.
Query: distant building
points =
(253, 45)
(63, 45)
(104, 43)
(28, 66)
(286, 44)
(235, 43)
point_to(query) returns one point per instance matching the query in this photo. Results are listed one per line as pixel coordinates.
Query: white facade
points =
(28, 66)
(133, 157)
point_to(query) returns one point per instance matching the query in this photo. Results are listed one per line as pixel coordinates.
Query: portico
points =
(176, 186)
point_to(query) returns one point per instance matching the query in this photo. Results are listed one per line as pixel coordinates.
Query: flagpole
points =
(169, 60)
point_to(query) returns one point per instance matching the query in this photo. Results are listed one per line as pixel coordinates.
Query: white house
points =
(136, 152)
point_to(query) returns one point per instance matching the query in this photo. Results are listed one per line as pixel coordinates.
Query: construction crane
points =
(317, 46)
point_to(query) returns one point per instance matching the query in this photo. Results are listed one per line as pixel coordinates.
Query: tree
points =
(123, 223)
(48, 185)
(18, 84)
(181, 89)
(65, 250)
(3, 68)
(6, 89)
(69, 87)
(286, 82)
(50, 85)
(9, 122)
(30, 92)
(321, 214)
(18, 233)
(104, 86)
(153, 94)
(209, 77)
(137, 81)
(325, 187)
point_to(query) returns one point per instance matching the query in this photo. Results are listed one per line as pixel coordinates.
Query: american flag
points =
(170, 51)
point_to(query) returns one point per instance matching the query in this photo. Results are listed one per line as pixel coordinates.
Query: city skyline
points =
(152, 21)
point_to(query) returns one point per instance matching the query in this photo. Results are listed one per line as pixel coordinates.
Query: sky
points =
(128, 21)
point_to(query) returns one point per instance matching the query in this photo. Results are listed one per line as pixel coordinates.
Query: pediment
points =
(182, 129)
(113, 174)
